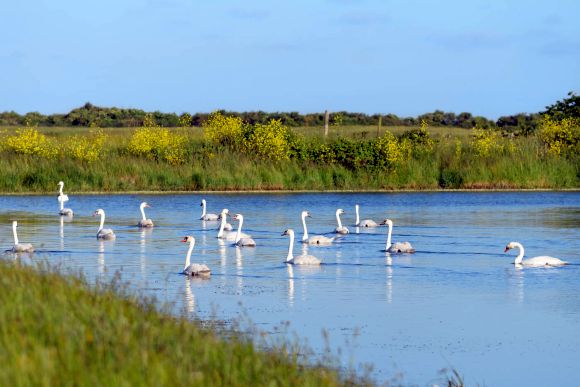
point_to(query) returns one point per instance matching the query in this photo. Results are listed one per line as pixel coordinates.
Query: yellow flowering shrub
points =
(561, 138)
(486, 142)
(86, 148)
(223, 130)
(29, 141)
(390, 151)
(268, 141)
(157, 143)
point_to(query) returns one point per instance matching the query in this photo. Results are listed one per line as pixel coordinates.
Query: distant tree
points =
(566, 108)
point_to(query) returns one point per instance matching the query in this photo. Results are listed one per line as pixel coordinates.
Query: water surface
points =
(457, 302)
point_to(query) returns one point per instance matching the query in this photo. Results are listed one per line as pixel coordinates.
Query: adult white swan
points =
(242, 240)
(64, 211)
(103, 233)
(340, 229)
(204, 216)
(540, 261)
(316, 239)
(20, 247)
(225, 232)
(301, 259)
(61, 195)
(193, 269)
(144, 222)
(398, 247)
(364, 223)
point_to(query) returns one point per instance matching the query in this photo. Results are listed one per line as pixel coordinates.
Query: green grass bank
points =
(57, 330)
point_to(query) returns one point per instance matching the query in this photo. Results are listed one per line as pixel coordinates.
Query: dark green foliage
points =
(566, 108)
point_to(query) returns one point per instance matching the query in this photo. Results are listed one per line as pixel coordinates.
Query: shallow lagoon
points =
(457, 302)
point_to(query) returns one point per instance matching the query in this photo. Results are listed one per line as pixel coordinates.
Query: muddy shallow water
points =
(457, 302)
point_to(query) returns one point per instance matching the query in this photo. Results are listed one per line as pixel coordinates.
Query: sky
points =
(406, 57)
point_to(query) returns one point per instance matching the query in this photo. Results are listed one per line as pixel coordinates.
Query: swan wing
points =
(106, 233)
(196, 269)
(341, 230)
(401, 247)
(368, 223)
(210, 217)
(23, 248)
(320, 240)
(66, 212)
(145, 223)
(306, 260)
(246, 242)
(543, 260)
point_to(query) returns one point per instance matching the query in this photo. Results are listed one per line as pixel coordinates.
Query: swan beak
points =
(284, 233)
(147, 205)
(184, 240)
(506, 249)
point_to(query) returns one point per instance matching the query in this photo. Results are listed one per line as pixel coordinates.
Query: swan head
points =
(509, 246)
(238, 217)
(100, 211)
(288, 232)
(306, 214)
(202, 203)
(340, 211)
(356, 206)
(144, 204)
(188, 238)
(14, 224)
(388, 222)
(225, 212)
(61, 183)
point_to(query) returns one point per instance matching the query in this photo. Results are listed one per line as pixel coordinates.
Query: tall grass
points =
(57, 330)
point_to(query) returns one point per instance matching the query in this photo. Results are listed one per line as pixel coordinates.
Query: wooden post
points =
(379, 125)
(326, 118)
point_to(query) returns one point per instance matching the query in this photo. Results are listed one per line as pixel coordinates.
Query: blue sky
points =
(391, 56)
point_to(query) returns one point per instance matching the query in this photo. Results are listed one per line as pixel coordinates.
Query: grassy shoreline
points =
(57, 330)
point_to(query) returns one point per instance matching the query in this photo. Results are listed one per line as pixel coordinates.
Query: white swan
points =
(398, 247)
(316, 239)
(61, 195)
(20, 247)
(302, 259)
(541, 261)
(193, 269)
(204, 216)
(103, 233)
(227, 226)
(223, 233)
(364, 223)
(64, 211)
(242, 240)
(144, 222)
(340, 229)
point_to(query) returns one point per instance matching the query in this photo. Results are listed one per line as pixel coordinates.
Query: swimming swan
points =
(204, 216)
(316, 239)
(541, 261)
(340, 229)
(193, 269)
(227, 226)
(61, 195)
(398, 247)
(223, 232)
(20, 247)
(241, 240)
(302, 259)
(364, 223)
(64, 211)
(103, 233)
(144, 222)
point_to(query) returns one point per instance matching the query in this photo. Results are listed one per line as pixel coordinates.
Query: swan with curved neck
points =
(61, 195)
(103, 233)
(193, 269)
(64, 211)
(20, 247)
(301, 259)
(315, 239)
(224, 232)
(541, 261)
(364, 223)
(144, 222)
(398, 247)
(340, 229)
(204, 215)
(241, 240)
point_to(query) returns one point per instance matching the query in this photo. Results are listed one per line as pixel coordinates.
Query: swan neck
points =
(357, 217)
(202, 209)
(60, 186)
(338, 220)
(143, 212)
(290, 255)
(222, 225)
(14, 232)
(238, 234)
(102, 221)
(520, 256)
(188, 256)
(388, 245)
(305, 236)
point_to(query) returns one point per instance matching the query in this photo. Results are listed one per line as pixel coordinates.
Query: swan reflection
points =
(189, 297)
(101, 258)
(517, 282)
(239, 268)
(389, 266)
(290, 269)
(143, 249)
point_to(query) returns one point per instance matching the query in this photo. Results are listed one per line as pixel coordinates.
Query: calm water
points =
(458, 301)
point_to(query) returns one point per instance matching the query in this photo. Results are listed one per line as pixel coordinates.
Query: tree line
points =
(91, 115)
